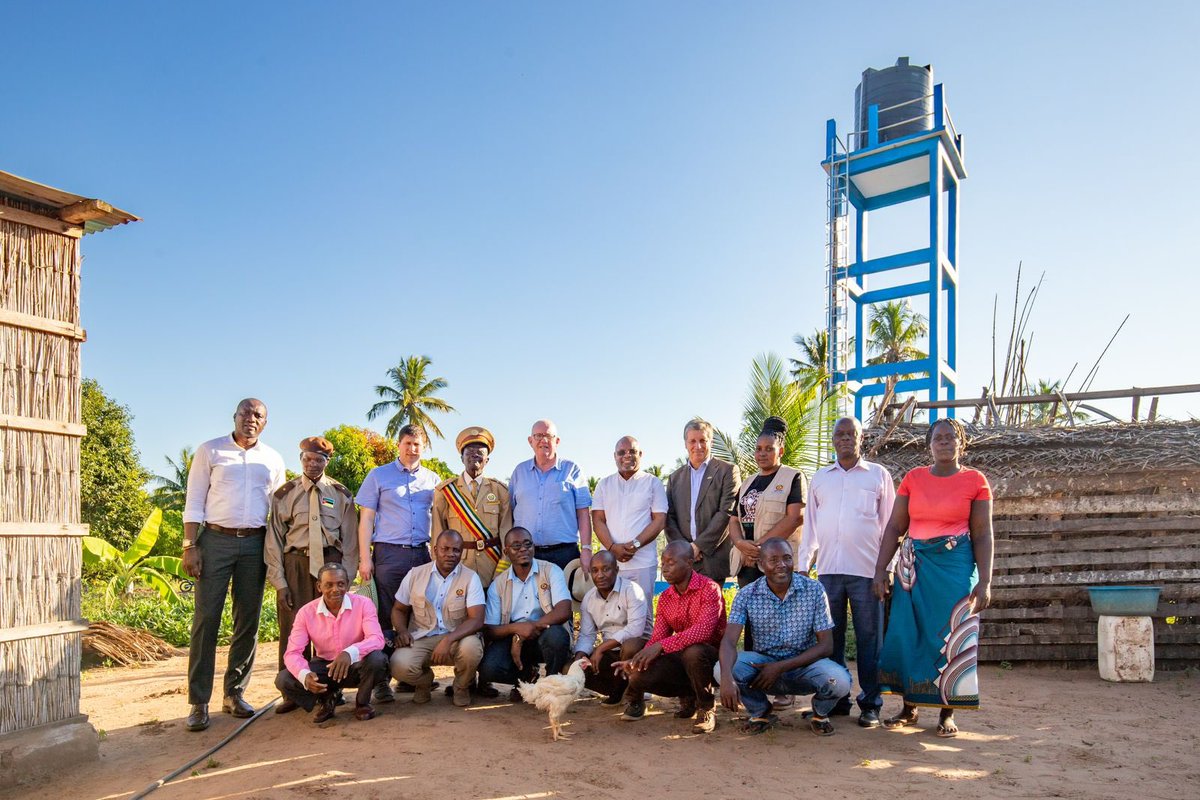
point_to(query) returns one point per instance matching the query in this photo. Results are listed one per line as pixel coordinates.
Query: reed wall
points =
(39, 479)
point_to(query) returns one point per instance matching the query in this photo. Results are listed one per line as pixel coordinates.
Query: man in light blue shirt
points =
(526, 617)
(550, 499)
(393, 525)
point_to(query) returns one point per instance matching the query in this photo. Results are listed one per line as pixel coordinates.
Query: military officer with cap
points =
(475, 506)
(312, 523)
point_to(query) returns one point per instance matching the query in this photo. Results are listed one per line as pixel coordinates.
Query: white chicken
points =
(554, 695)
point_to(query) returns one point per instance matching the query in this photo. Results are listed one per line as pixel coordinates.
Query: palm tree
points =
(170, 491)
(895, 329)
(1039, 413)
(772, 393)
(812, 368)
(410, 397)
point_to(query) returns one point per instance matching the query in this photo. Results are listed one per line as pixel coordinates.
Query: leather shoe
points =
(324, 711)
(382, 693)
(364, 712)
(634, 711)
(869, 719)
(286, 706)
(707, 722)
(236, 705)
(198, 719)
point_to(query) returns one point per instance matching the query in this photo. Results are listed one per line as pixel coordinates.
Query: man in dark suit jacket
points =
(702, 520)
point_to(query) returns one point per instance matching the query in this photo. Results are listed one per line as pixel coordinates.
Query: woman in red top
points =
(942, 523)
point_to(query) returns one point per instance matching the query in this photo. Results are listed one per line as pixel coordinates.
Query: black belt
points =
(554, 546)
(240, 533)
(422, 546)
(483, 544)
(304, 550)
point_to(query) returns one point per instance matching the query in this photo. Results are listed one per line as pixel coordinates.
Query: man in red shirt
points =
(347, 647)
(678, 660)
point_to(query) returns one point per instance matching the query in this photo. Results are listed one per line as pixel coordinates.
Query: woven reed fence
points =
(39, 476)
(1089, 506)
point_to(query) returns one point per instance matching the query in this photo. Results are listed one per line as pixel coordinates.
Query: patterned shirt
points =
(695, 617)
(783, 628)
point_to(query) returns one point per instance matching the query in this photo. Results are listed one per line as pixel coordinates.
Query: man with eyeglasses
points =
(629, 511)
(550, 499)
(527, 617)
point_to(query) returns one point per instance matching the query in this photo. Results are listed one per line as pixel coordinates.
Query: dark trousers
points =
(225, 561)
(688, 673)
(304, 590)
(560, 554)
(366, 674)
(716, 565)
(867, 612)
(605, 681)
(392, 563)
(552, 648)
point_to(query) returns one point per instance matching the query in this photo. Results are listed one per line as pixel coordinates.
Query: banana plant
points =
(133, 567)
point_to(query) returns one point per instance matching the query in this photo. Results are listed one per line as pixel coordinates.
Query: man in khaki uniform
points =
(312, 523)
(475, 506)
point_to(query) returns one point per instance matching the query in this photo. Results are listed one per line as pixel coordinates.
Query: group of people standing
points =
(484, 576)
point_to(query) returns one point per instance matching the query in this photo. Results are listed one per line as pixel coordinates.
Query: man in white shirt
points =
(437, 616)
(629, 511)
(224, 526)
(614, 608)
(849, 503)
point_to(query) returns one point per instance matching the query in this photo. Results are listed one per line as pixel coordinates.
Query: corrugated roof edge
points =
(94, 215)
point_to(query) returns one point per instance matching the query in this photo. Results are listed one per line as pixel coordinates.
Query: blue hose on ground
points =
(173, 775)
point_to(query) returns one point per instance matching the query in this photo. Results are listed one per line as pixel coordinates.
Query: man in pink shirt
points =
(347, 649)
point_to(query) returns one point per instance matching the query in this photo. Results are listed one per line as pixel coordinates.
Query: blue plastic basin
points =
(1125, 601)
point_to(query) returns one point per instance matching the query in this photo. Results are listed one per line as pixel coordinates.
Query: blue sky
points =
(594, 213)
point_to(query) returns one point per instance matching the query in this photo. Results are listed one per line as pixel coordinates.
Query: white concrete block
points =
(1126, 649)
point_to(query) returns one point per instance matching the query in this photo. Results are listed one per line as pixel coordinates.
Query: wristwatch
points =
(587, 547)
(188, 544)
(636, 544)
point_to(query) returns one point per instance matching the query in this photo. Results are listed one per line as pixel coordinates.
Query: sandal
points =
(758, 725)
(821, 726)
(946, 729)
(901, 720)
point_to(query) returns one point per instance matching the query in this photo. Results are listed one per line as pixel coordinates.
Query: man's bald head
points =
(678, 549)
(604, 557)
(769, 545)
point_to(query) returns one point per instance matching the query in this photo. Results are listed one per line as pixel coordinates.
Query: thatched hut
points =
(1076, 507)
(40, 432)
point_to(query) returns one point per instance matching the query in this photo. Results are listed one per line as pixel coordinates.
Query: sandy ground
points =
(1041, 733)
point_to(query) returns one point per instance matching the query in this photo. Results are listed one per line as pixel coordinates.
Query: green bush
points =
(172, 623)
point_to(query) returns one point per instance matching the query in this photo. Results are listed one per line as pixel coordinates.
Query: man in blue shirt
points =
(527, 618)
(550, 499)
(395, 503)
(793, 639)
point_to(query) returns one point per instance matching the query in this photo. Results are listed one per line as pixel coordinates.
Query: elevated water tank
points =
(888, 87)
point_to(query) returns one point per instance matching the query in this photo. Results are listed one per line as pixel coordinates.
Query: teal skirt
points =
(931, 646)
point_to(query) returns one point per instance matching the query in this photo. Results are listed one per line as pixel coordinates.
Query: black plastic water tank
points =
(888, 87)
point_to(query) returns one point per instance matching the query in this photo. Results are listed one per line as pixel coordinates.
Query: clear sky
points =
(597, 213)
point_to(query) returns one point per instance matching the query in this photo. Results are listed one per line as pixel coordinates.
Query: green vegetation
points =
(112, 500)
(409, 397)
(171, 622)
(135, 566)
(171, 491)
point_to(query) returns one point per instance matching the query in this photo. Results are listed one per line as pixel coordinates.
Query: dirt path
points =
(1042, 733)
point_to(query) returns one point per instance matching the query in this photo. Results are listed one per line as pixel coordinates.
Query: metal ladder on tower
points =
(837, 262)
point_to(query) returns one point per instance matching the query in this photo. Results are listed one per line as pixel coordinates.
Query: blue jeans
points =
(825, 679)
(867, 612)
(552, 648)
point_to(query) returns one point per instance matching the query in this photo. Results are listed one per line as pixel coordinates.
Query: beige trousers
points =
(412, 664)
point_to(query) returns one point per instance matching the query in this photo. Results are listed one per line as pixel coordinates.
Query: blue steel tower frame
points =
(914, 167)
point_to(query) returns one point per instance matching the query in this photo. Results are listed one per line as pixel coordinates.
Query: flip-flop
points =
(821, 726)
(900, 721)
(947, 732)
